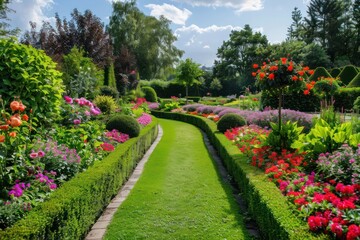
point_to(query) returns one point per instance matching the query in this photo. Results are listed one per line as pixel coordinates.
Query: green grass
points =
(179, 195)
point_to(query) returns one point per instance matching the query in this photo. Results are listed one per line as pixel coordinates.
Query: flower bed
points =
(266, 204)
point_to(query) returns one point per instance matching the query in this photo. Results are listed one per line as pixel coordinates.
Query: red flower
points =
(353, 232)
(301, 73)
(253, 74)
(271, 76)
(290, 68)
(107, 147)
(261, 75)
(295, 78)
(283, 60)
(25, 117)
(255, 66)
(306, 92)
(337, 229)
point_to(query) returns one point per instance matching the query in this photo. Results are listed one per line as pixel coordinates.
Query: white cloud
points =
(238, 5)
(201, 43)
(111, 1)
(170, 12)
(29, 10)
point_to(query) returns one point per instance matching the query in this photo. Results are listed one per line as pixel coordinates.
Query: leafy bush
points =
(109, 91)
(230, 120)
(106, 104)
(124, 124)
(150, 94)
(335, 72)
(194, 98)
(32, 76)
(282, 138)
(357, 104)
(348, 74)
(345, 98)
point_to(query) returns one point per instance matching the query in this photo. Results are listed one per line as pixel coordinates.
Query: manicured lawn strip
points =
(179, 195)
(274, 216)
(72, 209)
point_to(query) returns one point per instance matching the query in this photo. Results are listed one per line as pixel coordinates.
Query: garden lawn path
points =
(180, 194)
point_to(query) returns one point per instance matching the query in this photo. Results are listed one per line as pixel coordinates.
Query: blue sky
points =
(200, 25)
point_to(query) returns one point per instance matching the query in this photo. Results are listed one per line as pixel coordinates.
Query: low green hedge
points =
(72, 209)
(345, 98)
(266, 204)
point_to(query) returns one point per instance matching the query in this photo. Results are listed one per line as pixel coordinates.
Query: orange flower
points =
(22, 107)
(310, 72)
(253, 74)
(261, 75)
(301, 73)
(15, 121)
(4, 127)
(295, 78)
(290, 68)
(283, 60)
(255, 66)
(306, 92)
(2, 138)
(271, 76)
(273, 68)
(25, 117)
(12, 134)
(14, 105)
(306, 68)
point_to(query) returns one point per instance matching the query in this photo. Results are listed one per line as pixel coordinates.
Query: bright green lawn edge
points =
(72, 209)
(266, 204)
(180, 194)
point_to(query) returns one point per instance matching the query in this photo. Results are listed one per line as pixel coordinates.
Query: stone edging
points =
(98, 230)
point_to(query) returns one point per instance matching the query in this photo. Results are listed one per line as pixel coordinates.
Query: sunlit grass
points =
(180, 194)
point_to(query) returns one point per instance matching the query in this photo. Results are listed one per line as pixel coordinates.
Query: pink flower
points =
(68, 99)
(41, 154)
(107, 147)
(77, 121)
(33, 155)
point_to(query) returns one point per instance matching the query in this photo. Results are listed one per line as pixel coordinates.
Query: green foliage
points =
(357, 104)
(345, 97)
(314, 55)
(230, 120)
(284, 137)
(150, 94)
(330, 116)
(335, 72)
(215, 85)
(32, 76)
(326, 87)
(323, 138)
(111, 76)
(355, 82)
(109, 91)
(124, 124)
(318, 73)
(348, 74)
(168, 106)
(188, 73)
(194, 98)
(81, 76)
(106, 104)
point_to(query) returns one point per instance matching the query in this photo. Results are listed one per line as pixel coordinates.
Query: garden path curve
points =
(180, 195)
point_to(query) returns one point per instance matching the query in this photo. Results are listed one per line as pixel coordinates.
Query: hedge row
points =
(344, 100)
(72, 209)
(166, 89)
(266, 204)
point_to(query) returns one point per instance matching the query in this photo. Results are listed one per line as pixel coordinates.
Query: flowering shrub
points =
(117, 136)
(342, 165)
(144, 119)
(78, 110)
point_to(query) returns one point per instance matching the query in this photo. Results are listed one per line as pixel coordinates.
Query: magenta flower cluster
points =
(144, 119)
(83, 108)
(18, 189)
(117, 136)
(45, 179)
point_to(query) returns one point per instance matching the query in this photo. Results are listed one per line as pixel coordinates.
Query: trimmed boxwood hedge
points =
(266, 204)
(348, 74)
(345, 98)
(72, 209)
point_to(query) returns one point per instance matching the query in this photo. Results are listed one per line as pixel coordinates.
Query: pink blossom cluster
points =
(89, 108)
(43, 178)
(117, 136)
(144, 119)
(18, 189)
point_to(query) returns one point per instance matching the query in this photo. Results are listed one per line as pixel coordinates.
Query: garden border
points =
(273, 214)
(72, 209)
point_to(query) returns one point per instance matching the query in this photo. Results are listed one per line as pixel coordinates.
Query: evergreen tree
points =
(356, 46)
(295, 31)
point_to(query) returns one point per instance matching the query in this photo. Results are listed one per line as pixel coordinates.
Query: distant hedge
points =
(166, 89)
(318, 73)
(348, 74)
(335, 72)
(345, 98)
(355, 82)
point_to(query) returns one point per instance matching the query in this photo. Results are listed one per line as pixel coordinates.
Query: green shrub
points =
(109, 91)
(230, 120)
(32, 76)
(355, 82)
(357, 104)
(345, 97)
(106, 104)
(282, 138)
(124, 124)
(150, 94)
(348, 74)
(194, 98)
(335, 72)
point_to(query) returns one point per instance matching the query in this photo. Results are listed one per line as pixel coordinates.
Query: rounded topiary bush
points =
(355, 82)
(30, 75)
(109, 91)
(150, 94)
(230, 120)
(124, 124)
(106, 104)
